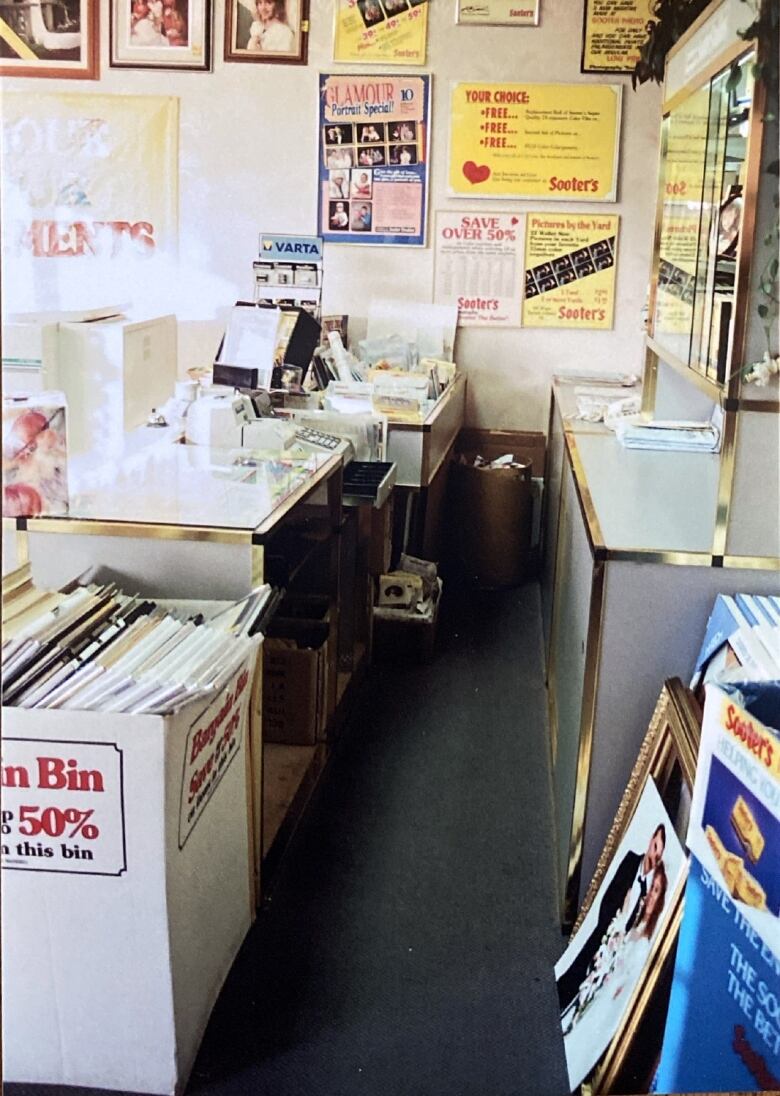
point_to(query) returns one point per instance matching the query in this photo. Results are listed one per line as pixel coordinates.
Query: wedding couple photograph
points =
(606, 957)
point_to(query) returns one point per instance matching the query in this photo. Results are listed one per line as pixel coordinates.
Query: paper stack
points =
(93, 647)
(676, 435)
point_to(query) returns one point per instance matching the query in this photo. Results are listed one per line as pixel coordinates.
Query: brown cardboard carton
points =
(295, 682)
(491, 508)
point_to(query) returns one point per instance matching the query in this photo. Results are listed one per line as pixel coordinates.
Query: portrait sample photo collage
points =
(351, 152)
(374, 12)
(569, 268)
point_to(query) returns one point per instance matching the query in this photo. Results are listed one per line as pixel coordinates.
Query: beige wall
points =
(248, 163)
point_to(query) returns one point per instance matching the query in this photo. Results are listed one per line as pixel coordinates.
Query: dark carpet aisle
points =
(409, 943)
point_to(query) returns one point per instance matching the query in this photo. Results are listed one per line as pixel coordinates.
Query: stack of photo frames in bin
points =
(92, 647)
(723, 1022)
(577, 264)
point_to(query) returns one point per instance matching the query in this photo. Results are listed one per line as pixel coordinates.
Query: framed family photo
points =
(615, 976)
(162, 34)
(270, 31)
(50, 39)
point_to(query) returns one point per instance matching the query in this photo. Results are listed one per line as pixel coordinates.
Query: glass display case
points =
(710, 152)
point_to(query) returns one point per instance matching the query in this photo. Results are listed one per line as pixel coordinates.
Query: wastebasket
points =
(491, 508)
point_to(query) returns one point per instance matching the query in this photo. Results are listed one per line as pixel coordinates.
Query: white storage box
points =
(126, 887)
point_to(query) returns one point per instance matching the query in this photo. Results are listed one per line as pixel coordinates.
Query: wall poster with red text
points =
(479, 267)
(90, 189)
(374, 162)
(63, 807)
(546, 141)
(570, 270)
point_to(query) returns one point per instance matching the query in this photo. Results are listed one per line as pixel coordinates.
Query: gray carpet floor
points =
(408, 946)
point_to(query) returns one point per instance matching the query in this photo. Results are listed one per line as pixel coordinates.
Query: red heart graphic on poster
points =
(476, 173)
(515, 220)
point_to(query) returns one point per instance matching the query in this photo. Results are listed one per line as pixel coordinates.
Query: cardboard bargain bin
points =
(126, 887)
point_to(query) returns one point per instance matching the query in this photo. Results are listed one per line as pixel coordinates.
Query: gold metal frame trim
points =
(721, 61)
(585, 754)
(728, 459)
(659, 555)
(590, 517)
(752, 563)
(546, 503)
(83, 526)
(747, 232)
(649, 381)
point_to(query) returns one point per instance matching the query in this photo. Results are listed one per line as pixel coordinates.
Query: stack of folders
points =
(679, 436)
(94, 648)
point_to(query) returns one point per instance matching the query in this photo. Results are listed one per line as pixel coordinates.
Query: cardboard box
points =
(295, 674)
(406, 634)
(400, 589)
(126, 887)
(491, 508)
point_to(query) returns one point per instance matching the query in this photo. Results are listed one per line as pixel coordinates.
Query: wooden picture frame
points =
(56, 40)
(161, 34)
(668, 756)
(267, 31)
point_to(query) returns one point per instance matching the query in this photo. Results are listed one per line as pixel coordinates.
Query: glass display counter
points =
(180, 521)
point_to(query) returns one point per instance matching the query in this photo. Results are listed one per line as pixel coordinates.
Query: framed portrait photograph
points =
(50, 39)
(271, 31)
(615, 976)
(162, 34)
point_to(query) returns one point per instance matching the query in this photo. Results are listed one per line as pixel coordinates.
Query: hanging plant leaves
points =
(734, 77)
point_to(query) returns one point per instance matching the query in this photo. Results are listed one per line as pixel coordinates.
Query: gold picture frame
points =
(668, 756)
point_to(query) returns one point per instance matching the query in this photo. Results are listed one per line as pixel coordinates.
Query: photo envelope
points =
(594, 1029)
(735, 815)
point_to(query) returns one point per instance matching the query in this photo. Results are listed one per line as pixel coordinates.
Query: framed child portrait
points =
(57, 40)
(614, 978)
(161, 34)
(270, 31)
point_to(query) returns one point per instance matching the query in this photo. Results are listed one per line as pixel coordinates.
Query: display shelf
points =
(648, 501)
(289, 776)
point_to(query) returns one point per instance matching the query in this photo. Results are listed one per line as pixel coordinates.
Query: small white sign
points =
(478, 267)
(62, 807)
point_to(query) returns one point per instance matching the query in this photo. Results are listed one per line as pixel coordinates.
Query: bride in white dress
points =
(596, 1011)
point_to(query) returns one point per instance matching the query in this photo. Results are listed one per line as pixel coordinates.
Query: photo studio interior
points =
(391, 504)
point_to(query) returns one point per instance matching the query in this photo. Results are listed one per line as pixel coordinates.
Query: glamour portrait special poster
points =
(373, 173)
